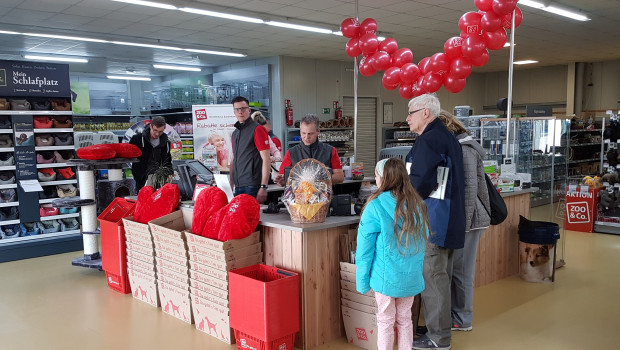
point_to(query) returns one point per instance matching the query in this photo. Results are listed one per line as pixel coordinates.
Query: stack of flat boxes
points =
(141, 262)
(209, 261)
(172, 265)
(359, 311)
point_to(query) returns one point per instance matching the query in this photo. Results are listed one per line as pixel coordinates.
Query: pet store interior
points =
(182, 263)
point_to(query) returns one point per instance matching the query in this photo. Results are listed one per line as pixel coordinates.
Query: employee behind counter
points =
(310, 147)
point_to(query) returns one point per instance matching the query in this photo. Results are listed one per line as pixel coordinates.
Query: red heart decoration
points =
(162, 202)
(209, 201)
(211, 228)
(241, 217)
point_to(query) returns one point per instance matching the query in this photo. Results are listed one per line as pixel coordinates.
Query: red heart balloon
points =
(388, 45)
(368, 25)
(350, 27)
(401, 56)
(409, 73)
(452, 47)
(353, 47)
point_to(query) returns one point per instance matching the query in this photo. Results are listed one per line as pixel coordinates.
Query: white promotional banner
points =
(213, 128)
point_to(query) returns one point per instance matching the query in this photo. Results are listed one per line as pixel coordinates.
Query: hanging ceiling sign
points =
(32, 79)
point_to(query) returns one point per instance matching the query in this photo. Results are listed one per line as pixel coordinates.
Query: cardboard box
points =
(172, 249)
(147, 272)
(146, 258)
(162, 239)
(208, 271)
(132, 261)
(132, 226)
(140, 249)
(212, 319)
(347, 276)
(358, 298)
(212, 281)
(360, 327)
(348, 267)
(173, 281)
(171, 225)
(181, 277)
(199, 241)
(165, 264)
(143, 287)
(207, 288)
(359, 307)
(209, 297)
(175, 302)
(200, 260)
(351, 286)
(141, 239)
(221, 255)
(173, 258)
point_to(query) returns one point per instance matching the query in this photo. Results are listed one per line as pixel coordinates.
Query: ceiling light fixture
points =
(126, 77)
(8, 32)
(165, 66)
(525, 62)
(147, 45)
(339, 33)
(65, 37)
(222, 15)
(299, 27)
(149, 3)
(554, 10)
(221, 53)
(55, 58)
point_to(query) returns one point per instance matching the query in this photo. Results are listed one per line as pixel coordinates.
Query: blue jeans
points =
(251, 190)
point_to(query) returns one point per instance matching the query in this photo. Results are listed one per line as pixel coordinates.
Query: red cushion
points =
(94, 152)
(127, 150)
(211, 228)
(162, 202)
(241, 218)
(209, 201)
(42, 122)
(143, 197)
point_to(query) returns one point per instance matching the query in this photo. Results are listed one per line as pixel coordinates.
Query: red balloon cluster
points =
(481, 31)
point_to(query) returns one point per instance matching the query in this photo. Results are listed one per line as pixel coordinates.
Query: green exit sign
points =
(325, 110)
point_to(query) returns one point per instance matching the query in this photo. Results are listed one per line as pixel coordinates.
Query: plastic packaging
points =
(308, 192)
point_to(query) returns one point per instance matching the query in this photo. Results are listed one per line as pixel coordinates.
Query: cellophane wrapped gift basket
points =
(308, 192)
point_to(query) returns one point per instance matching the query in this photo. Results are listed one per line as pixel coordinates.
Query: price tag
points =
(585, 189)
(572, 188)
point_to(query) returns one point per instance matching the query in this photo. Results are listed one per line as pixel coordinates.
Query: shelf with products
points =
(6, 131)
(7, 167)
(34, 112)
(53, 130)
(340, 138)
(398, 136)
(9, 204)
(54, 148)
(59, 182)
(75, 233)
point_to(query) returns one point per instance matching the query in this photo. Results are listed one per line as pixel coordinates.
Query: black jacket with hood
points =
(151, 158)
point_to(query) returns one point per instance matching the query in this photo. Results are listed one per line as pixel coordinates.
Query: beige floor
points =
(46, 303)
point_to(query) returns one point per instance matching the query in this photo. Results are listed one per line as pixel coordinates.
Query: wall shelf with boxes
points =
(398, 136)
(341, 138)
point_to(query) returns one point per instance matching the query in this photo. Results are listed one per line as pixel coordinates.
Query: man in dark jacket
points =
(155, 147)
(436, 147)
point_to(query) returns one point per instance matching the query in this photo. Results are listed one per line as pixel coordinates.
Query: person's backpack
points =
(499, 212)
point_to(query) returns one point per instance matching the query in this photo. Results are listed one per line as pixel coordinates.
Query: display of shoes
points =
(424, 342)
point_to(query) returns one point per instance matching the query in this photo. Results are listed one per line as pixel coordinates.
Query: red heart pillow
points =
(242, 216)
(127, 150)
(211, 228)
(95, 152)
(209, 201)
(162, 202)
(143, 196)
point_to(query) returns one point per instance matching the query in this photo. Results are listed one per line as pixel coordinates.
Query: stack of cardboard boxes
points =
(209, 261)
(359, 311)
(172, 265)
(141, 261)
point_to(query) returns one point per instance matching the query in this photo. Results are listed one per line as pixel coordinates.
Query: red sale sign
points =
(580, 212)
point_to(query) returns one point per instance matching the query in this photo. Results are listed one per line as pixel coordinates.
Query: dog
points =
(535, 263)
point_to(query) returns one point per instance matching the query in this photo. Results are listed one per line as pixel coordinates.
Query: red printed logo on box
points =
(361, 334)
(201, 114)
(578, 212)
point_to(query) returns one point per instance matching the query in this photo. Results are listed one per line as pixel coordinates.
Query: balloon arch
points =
(481, 31)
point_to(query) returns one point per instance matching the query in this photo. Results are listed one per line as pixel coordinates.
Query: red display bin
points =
(113, 247)
(264, 304)
(246, 341)
(580, 212)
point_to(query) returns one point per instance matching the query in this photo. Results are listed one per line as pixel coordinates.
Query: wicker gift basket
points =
(308, 192)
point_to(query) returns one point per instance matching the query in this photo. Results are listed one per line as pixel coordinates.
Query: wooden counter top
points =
(282, 220)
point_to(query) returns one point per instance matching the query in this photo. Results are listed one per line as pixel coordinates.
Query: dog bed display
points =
(42, 122)
(44, 140)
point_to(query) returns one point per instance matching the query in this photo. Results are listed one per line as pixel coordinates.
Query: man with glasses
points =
(250, 167)
(436, 147)
(155, 147)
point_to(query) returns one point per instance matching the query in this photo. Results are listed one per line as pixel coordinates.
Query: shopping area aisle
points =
(45, 303)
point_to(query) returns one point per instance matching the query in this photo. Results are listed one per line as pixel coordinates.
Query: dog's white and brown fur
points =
(536, 262)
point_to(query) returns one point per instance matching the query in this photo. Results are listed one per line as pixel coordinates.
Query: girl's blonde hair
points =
(452, 124)
(410, 215)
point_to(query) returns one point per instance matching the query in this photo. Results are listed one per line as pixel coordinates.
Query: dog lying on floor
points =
(536, 262)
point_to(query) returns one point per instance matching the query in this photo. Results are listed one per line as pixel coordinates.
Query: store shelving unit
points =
(341, 138)
(397, 136)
